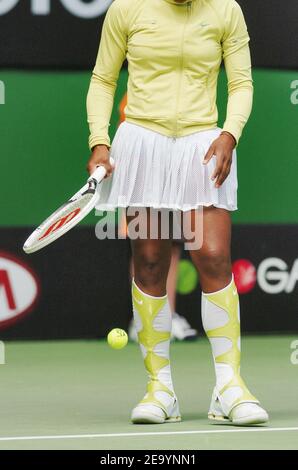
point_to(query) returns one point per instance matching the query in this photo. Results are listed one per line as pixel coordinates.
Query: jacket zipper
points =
(188, 10)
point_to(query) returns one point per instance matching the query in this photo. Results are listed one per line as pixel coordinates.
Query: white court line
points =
(137, 434)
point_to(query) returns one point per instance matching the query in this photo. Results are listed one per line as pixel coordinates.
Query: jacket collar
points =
(179, 3)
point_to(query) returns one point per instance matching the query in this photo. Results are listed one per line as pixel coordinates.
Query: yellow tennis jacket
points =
(174, 52)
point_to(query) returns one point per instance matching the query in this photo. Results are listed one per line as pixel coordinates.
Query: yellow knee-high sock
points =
(153, 322)
(221, 321)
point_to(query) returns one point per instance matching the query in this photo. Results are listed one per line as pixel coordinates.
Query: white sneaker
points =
(243, 414)
(151, 413)
(181, 329)
(248, 413)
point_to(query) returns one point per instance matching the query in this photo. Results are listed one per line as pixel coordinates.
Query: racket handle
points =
(100, 172)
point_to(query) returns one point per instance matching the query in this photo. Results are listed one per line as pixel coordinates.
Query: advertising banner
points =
(79, 287)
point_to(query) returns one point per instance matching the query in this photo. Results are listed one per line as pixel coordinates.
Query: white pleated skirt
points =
(153, 170)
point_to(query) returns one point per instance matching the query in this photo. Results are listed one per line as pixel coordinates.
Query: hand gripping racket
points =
(68, 215)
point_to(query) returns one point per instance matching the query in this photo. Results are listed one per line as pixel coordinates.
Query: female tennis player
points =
(170, 153)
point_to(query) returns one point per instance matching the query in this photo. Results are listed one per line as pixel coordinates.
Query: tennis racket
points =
(68, 215)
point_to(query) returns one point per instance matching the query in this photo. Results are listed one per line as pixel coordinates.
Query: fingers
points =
(218, 168)
(223, 174)
(222, 169)
(223, 151)
(100, 157)
(209, 155)
(91, 167)
(109, 168)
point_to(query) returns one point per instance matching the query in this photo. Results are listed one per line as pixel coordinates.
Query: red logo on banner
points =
(245, 275)
(19, 289)
(5, 283)
(60, 223)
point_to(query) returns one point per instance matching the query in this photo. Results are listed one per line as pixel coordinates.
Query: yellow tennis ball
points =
(117, 338)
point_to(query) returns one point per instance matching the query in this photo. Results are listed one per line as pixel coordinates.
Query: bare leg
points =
(172, 276)
(153, 320)
(213, 259)
(151, 262)
(231, 399)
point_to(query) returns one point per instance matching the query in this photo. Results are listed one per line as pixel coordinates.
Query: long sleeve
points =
(236, 55)
(111, 55)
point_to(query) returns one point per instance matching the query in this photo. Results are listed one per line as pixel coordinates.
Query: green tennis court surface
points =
(78, 395)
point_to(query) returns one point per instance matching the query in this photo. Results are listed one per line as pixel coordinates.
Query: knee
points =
(150, 269)
(215, 263)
